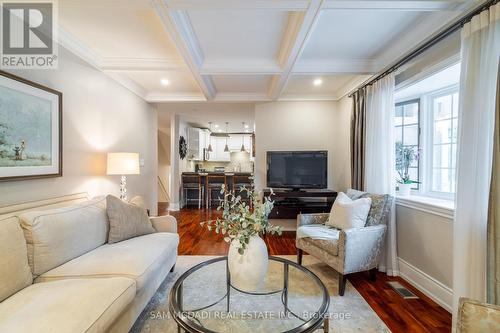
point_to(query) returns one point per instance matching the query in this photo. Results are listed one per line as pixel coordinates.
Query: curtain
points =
(480, 52)
(358, 123)
(379, 158)
(493, 286)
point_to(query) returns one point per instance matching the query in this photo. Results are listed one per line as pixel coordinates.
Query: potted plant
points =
(242, 227)
(404, 158)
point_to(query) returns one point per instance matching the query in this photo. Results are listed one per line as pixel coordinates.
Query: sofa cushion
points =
(56, 236)
(138, 258)
(126, 220)
(73, 306)
(15, 273)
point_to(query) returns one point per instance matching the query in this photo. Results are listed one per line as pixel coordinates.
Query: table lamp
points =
(123, 164)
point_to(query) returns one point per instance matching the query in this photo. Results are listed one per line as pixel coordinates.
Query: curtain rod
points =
(433, 41)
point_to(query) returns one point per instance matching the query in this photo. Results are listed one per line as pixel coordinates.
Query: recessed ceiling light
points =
(219, 130)
(318, 82)
(246, 126)
(165, 82)
(216, 125)
(246, 130)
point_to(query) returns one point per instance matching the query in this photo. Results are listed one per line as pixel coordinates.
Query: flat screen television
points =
(297, 169)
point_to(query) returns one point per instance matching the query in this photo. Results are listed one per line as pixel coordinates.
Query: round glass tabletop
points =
(291, 299)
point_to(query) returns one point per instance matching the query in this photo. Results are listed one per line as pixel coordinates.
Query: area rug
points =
(349, 313)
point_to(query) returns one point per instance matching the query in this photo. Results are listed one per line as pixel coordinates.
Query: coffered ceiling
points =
(247, 50)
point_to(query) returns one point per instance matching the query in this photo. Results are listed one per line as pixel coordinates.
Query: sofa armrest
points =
(166, 223)
(361, 247)
(306, 219)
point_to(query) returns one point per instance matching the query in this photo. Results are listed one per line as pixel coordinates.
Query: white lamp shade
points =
(123, 164)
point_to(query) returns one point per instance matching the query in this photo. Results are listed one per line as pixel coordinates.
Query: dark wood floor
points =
(400, 315)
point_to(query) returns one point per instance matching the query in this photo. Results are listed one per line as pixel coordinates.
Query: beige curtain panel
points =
(358, 133)
(494, 213)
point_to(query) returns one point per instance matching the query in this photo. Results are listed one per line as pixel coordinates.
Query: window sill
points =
(440, 207)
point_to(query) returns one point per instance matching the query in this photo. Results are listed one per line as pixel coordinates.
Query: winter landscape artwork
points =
(30, 129)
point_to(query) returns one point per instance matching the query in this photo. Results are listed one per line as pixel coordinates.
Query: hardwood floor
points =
(400, 315)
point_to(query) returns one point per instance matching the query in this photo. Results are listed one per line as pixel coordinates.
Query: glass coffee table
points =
(292, 299)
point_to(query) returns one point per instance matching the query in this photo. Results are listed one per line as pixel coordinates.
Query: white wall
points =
(164, 165)
(425, 250)
(99, 116)
(309, 125)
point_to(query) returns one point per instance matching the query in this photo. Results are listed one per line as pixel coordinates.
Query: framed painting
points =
(30, 129)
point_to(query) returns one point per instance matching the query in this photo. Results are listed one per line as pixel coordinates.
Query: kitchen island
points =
(209, 185)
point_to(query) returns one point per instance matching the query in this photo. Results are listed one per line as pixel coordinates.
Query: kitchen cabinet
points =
(197, 140)
(235, 141)
(219, 155)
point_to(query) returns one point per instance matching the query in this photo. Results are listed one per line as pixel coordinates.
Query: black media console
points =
(289, 203)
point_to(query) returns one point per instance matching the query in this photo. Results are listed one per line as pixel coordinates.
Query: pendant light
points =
(209, 149)
(226, 148)
(243, 140)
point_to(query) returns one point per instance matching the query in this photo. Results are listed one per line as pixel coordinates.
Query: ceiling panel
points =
(332, 85)
(243, 35)
(242, 83)
(179, 81)
(356, 34)
(113, 31)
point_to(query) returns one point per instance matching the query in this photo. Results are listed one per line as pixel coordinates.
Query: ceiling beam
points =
(335, 66)
(140, 64)
(236, 67)
(300, 26)
(177, 25)
(280, 5)
(399, 5)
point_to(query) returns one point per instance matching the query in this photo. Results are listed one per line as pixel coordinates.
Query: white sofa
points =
(58, 274)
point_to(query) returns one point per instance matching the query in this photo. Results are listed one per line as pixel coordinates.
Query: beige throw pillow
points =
(347, 213)
(15, 273)
(126, 220)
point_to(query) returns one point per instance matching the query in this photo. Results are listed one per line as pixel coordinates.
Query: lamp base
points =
(123, 188)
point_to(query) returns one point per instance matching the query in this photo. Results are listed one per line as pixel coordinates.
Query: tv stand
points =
(290, 203)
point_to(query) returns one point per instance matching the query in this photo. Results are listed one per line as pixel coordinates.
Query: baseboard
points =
(437, 291)
(174, 206)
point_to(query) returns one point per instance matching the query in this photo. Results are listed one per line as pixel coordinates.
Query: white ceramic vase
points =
(248, 271)
(404, 189)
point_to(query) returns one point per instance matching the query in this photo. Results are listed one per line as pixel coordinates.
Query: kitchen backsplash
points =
(240, 162)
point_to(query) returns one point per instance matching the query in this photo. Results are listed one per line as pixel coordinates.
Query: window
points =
(426, 119)
(444, 141)
(407, 133)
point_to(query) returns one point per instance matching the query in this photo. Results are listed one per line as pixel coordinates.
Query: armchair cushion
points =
(347, 213)
(166, 223)
(475, 316)
(380, 207)
(331, 246)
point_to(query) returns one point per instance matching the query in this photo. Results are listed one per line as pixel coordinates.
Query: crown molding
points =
(398, 5)
(278, 5)
(128, 83)
(154, 97)
(140, 64)
(242, 97)
(294, 49)
(311, 97)
(77, 47)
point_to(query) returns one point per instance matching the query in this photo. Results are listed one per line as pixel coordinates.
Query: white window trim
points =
(426, 137)
(439, 207)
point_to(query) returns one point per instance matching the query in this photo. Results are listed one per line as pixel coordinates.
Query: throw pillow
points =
(126, 220)
(347, 213)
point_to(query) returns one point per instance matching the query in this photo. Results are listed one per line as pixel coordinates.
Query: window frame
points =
(402, 104)
(429, 168)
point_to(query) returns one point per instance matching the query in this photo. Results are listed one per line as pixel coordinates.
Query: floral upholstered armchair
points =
(351, 250)
(477, 317)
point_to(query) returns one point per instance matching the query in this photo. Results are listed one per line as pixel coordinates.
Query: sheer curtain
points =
(379, 158)
(480, 55)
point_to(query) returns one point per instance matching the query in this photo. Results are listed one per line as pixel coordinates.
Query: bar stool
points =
(240, 181)
(190, 183)
(214, 182)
